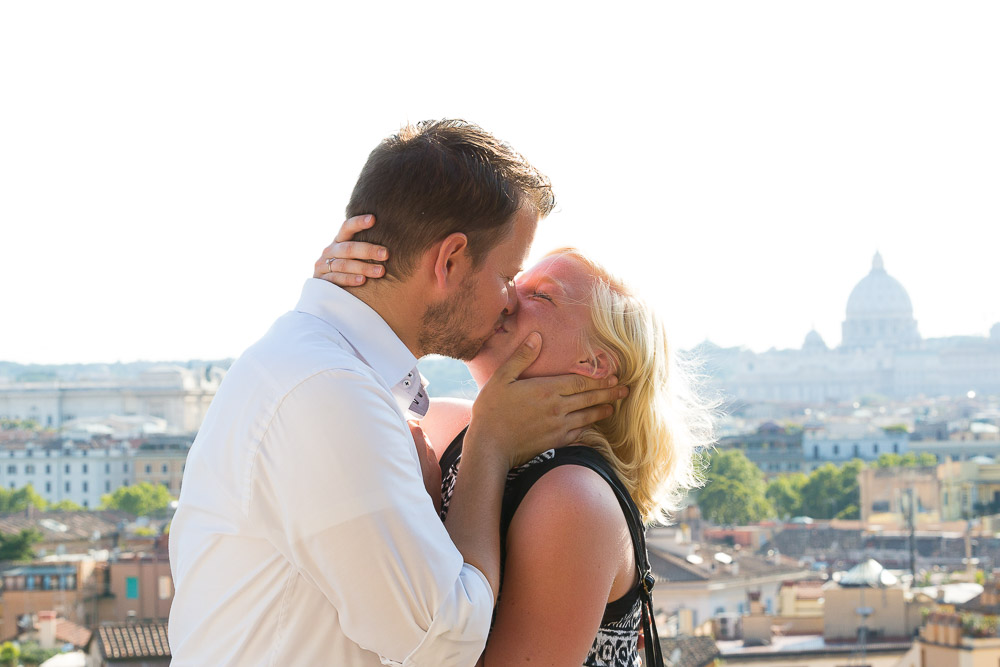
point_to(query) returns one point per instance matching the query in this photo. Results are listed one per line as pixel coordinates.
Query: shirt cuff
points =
(457, 635)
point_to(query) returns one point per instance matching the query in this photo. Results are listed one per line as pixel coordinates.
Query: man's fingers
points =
(522, 357)
(573, 383)
(588, 416)
(588, 399)
(572, 436)
(354, 225)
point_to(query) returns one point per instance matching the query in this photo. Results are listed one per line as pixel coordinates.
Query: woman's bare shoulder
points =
(568, 500)
(445, 418)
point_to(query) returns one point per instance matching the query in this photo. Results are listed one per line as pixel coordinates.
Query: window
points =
(11, 470)
(875, 448)
(107, 487)
(895, 448)
(48, 487)
(85, 487)
(29, 469)
(48, 469)
(67, 487)
(132, 588)
(107, 468)
(85, 503)
(164, 468)
(166, 587)
(149, 468)
(66, 469)
(83, 453)
(124, 467)
(856, 449)
(84, 468)
(836, 450)
(815, 451)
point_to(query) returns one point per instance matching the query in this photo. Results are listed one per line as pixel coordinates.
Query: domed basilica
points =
(882, 353)
(879, 312)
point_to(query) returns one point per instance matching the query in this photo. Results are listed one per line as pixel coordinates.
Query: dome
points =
(814, 342)
(879, 312)
(879, 295)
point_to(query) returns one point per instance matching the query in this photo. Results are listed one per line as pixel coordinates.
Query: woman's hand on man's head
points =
(348, 263)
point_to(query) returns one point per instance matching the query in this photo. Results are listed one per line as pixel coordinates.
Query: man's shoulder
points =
(299, 346)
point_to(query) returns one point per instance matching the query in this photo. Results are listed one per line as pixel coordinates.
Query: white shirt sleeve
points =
(337, 477)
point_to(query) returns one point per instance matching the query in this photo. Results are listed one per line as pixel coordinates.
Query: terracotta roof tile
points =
(134, 640)
(69, 632)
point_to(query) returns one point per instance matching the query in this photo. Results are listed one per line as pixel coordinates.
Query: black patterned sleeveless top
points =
(616, 641)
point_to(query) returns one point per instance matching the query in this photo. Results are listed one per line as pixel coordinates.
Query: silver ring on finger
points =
(329, 268)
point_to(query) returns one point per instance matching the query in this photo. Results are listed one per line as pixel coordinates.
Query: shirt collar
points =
(371, 337)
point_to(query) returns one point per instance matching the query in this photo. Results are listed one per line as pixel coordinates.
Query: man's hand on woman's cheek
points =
(526, 417)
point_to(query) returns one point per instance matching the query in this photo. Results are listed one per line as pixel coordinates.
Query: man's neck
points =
(398, 306)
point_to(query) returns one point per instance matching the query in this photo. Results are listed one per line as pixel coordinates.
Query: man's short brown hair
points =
(439, 177)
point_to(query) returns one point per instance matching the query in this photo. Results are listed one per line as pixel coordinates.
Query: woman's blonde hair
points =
(654, 434)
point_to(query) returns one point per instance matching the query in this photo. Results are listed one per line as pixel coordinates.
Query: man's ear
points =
(451, 260)
(599, 366)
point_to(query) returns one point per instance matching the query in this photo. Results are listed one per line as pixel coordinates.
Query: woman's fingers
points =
(352, 226)
(355, 250)
(355, 267)
(348, 263)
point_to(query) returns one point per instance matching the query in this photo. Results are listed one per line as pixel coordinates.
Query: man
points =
(304, 534)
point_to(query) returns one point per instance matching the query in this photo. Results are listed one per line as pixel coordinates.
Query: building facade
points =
(969, 488)
(160, 460)
(180, 396)
(881, 353)
(65, 470)
(886, 494)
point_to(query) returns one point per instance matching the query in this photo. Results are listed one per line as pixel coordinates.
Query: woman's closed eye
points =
(542, 295)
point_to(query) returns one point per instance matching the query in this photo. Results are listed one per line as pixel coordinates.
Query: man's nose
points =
(512, 302)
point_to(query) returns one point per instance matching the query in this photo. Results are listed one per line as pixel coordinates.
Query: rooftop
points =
(133, 640)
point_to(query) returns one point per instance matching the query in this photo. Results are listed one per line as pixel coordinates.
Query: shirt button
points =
(406, 383)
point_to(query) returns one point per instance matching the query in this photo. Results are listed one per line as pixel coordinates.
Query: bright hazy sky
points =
(170, 171)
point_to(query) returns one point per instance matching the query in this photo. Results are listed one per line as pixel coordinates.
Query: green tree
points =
(64, 506)
(33, 655)
(907, 460)
(139, 499)
(830, 490)
(9, 654)
(18, 500)
(785, 494)
(19, 546)
(734, 491)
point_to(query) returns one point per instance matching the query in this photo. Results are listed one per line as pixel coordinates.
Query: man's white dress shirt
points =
(304, 535)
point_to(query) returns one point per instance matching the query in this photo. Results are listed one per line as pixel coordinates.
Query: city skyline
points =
(743, 163)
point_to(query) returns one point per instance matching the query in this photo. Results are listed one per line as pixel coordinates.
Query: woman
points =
(573, 547)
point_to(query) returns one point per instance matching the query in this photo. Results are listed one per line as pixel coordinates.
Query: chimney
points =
(47, 629)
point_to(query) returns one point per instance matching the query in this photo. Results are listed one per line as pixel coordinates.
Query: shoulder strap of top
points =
(588, 457)
(454, 450)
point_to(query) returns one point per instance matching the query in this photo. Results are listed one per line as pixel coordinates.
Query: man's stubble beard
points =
(442, 326)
